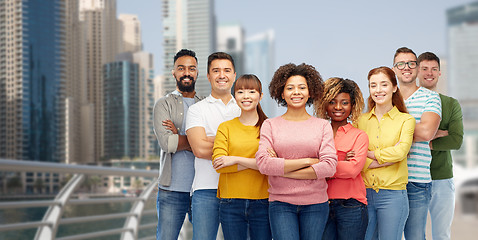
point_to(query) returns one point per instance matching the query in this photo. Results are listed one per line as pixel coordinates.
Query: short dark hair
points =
(283, 73)
(220, 55)
(403, 50)
(428, 56)
(184, 52)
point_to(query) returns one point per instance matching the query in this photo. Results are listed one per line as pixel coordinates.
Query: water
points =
(8, 216)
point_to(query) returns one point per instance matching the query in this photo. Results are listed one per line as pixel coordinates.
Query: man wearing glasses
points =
(425, 106)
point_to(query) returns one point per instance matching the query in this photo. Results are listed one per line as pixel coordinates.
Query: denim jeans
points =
(205, 212)
(348, 219)
(387, 213)
(243, 219)
(294, 222)
(442, 208)
(419, 195)
(171, 209)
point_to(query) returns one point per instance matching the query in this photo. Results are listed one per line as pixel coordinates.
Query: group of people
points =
(341, 174)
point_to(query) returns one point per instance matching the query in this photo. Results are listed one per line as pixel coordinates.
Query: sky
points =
(340, 38)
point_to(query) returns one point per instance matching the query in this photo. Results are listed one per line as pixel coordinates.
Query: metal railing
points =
(52, 219)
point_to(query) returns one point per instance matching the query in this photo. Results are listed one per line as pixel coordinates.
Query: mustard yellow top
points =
(235, 139)
(391, 139)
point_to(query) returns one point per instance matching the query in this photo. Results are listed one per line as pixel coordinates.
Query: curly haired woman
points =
(296, 151)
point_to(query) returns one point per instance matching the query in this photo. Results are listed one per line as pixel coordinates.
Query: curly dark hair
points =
(315, 83)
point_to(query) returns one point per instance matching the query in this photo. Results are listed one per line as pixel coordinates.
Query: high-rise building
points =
(230, 39)
(130, 30)
(259, 60)
(121, 110)
(462, 71)
(102, 45)
(31, 80)
(188, 24)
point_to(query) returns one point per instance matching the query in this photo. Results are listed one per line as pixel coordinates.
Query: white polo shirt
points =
(209, 113)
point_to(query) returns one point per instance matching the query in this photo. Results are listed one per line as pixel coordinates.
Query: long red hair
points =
(397, 99)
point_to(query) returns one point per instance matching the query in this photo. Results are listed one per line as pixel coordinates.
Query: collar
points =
(392, 113)
(212, 99)
(345, 127)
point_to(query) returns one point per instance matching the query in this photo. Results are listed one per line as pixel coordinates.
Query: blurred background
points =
(79, 79)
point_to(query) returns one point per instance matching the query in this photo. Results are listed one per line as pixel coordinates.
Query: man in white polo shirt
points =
(203, 120)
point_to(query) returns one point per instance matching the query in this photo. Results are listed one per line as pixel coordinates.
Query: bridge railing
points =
(53, 217)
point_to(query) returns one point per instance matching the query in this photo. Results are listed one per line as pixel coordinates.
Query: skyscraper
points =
(121, 110)
(102, 45)
(259, 60)
(462, 71)
(188, 24)
(31, 80)
(230, 39)
(130, 30)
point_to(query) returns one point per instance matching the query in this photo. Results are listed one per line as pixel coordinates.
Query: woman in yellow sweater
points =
(242, 189)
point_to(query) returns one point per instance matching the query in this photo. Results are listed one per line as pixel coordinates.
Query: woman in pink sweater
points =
(296, 151)
(348, 216)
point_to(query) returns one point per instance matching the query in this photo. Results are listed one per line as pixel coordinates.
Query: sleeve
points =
(455, 130)
(433, 104)
(400, 150)
(194, 118)
(166, 139)
(221, 147)
(353, 167)
(327, 154)
(266, 164)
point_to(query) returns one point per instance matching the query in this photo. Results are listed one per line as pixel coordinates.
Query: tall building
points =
(230, 39)
(31, 80)
(462, 71)
(102, 45)
(130, 30)
(188, 24)
(121, 110)
(259, 60)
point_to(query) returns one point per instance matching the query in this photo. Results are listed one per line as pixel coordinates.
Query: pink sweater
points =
(292, 140)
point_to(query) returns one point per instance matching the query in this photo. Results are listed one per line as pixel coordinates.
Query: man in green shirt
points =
(449, 136)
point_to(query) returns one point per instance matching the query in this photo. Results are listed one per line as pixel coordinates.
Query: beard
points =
(185, 88)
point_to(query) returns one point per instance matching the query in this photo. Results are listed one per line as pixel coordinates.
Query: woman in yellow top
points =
(244, 206)
(390, 130)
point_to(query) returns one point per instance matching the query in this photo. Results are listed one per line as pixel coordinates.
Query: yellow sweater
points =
(235, 139)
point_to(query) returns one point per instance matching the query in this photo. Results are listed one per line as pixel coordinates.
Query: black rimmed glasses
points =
(401, 65)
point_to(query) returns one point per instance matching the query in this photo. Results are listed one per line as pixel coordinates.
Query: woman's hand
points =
(223, 161)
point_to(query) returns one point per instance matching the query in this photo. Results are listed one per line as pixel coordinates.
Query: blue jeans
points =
(419, 195)
(171, 209)
(294, 222)
(245, 218)
(442, 208)
(205, 211)
(348, 219)
(387, 213)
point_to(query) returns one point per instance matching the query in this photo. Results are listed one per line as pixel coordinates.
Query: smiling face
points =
(296, 92)
(406, 75)
(428, 74)
(381, 89)
(185, 72)
(247, 99)
(339, 108)
(221, 75)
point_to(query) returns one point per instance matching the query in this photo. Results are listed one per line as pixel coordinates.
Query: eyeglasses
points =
(401, 65)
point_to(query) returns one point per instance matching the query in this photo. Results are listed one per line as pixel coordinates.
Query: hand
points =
(210, 138)
(312, 161)
(375, 164)
(441, 133)
(223, 161)
(350, 155)
(371, 155)
(169, 125)
(272, 153)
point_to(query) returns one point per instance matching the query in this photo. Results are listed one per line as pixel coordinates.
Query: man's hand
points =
(169, 125)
